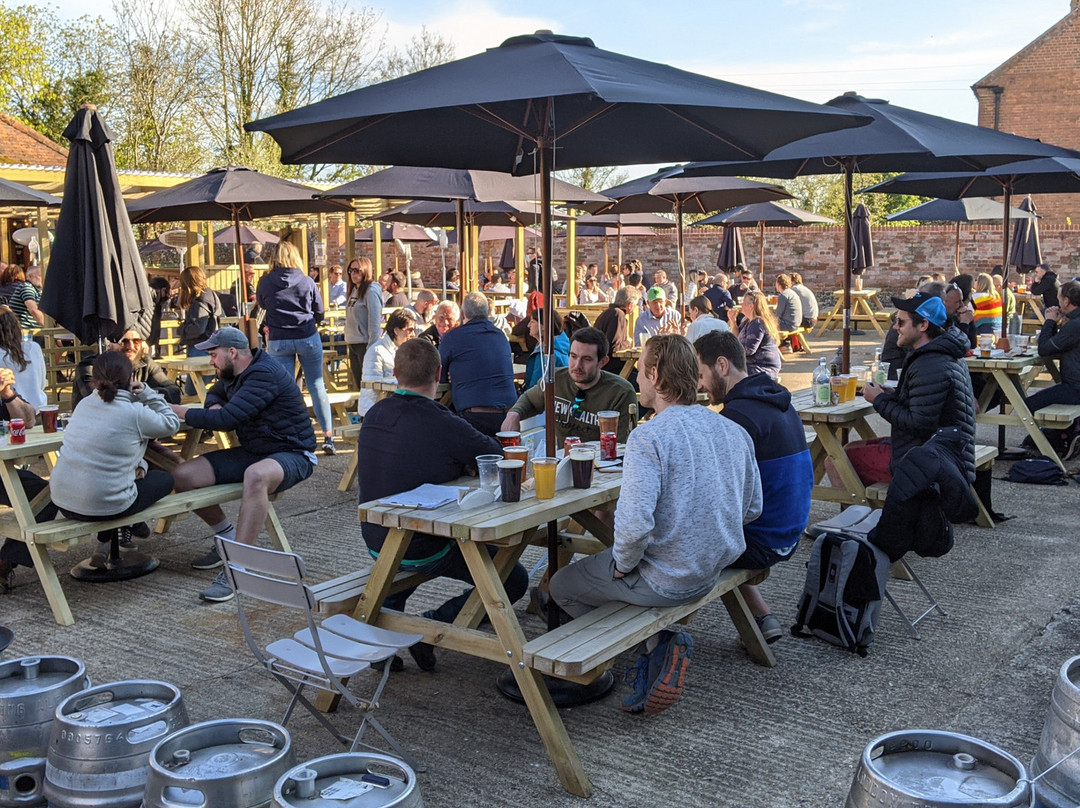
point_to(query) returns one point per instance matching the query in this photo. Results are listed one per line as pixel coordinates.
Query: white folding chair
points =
(318, 656)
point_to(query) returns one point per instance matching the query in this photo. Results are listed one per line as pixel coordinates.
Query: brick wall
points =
(1040, 98)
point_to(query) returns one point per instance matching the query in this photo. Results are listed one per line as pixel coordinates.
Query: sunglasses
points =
(127, 341)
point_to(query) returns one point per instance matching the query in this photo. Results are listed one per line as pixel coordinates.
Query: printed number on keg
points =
(96, 739)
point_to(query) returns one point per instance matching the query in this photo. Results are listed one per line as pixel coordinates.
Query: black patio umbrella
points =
(624, 224)
(762, 215)
(248, 235)
(862, 243)
(16, 194)
(732, 253)
(659, 193)
(444, 214)
(898, 139)
(543, 102)
(96, 285)
(391, 231)
(974, 209)
(1026, 252)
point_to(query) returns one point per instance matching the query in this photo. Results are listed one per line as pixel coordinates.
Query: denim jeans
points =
(309, 352)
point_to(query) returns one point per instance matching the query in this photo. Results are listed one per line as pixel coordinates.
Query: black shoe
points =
(396, 664)
(423, 655)
(7, 577)
(140, 530)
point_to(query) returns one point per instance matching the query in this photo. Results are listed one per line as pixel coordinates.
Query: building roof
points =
(1059, 28)
(21, 144)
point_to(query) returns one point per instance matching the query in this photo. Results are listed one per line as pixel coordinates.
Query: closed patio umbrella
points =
(1026, 252)
(731, 253)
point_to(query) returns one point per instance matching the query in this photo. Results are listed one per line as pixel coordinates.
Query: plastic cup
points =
(581, 465)
(48, 415)
(489, 472)
(986, 340)
(508, 438)
(837, 384)
(511, 473)
(882, 373)
(861, 372)
(850, 383)
(516, 453)
(544, 473)
(609, 420)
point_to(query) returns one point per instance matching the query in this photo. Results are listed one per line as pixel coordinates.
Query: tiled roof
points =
(21, 144)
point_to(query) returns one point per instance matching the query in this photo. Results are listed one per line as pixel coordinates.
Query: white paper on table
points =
(476, 498)
(564, 475)
(345, 789)
(425, 496)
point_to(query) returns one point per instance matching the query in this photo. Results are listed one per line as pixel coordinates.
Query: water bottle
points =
(822, 385)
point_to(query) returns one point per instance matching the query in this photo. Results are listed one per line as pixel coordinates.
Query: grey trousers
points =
(590, 582)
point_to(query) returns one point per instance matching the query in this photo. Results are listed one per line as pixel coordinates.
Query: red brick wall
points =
(1041, 99)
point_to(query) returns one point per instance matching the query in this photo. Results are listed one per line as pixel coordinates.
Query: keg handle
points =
(304, 780)
(1031, 781)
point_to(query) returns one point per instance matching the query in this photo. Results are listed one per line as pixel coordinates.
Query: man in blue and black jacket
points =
(763, 408)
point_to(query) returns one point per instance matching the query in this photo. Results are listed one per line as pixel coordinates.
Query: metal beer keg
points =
(30, 690)
(349, 780)
(101, 742)
(931, 769)
(232, 762)
(1060, 788)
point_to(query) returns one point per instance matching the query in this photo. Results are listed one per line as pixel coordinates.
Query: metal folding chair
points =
(318, 656)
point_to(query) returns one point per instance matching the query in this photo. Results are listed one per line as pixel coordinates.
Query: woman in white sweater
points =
(95, 475)
(24, 358)
(379, 359)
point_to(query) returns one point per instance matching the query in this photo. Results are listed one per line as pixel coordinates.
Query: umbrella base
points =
(563, 693)
(101, 569)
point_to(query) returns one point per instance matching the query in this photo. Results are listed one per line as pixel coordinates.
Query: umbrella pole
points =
(1004, 280)
(459, 227)
(956, 260)
(846, 354)
(241, 285)
(761, 254)
(682, 257)
(619, 231)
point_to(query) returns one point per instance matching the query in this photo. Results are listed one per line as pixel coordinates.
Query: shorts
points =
(229, 466)
(757, 557)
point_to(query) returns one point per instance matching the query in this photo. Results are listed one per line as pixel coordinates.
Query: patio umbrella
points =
(659, 193)
(248, 235)
(96, 285)
(762, 215)
(898, 139)
(444, 214)
(624, 224)
(974, 209)
(732, 253)
(17, 195)
(1026, 252)
(539, 103)
(862, 244)
(390, 231)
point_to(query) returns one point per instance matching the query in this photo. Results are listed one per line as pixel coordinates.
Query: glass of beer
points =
(510, 476)
(544, 473)
(48, 415)
(837, 385)
(609, 421)
(508, 438)
(581, 465)
(850, 383)
(516, 453)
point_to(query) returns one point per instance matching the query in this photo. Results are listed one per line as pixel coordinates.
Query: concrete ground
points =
(742, 735)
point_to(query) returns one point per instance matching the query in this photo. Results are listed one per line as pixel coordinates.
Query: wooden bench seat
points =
(1057, 416)
(591, 642)
(340, 595)
(801, 334)
(984, 459)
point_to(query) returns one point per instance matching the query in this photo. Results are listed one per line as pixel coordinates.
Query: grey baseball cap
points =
(227, 337)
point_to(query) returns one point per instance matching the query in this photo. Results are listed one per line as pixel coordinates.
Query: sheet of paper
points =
(426, 496)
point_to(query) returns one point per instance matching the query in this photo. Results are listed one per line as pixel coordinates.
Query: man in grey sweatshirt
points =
(669, 549)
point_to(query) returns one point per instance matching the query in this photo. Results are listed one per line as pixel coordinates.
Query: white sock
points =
(224, 529)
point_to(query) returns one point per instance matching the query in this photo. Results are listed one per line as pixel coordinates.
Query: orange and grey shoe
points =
(667, 686)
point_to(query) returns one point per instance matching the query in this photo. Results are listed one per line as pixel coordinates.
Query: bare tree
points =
(594, 178)
(425, 50)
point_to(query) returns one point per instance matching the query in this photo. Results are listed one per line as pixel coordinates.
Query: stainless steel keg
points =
(349, 780)
(1060, 788)
(101, 743)
(931, 769)
(232, 762)
(30, 690)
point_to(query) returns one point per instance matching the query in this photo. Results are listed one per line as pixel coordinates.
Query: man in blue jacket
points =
(763, 408)
(258, 400)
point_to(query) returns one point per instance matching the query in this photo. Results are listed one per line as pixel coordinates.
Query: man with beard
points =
(582, 389)
(143, 369)
(255, 397)
(763, 408)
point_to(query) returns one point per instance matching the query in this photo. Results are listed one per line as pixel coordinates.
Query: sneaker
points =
(769, 626)
(219, 591)
(637, 677)
(674, 658)
(328, 446)
(125, 541)
(7, 577)
(423, 654)
(1072, 449)
(140, 530)
(395, 664)
(210, 561)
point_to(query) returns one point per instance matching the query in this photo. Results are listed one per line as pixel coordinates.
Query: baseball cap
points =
(929, 307)
(657, 293)
(227, 337)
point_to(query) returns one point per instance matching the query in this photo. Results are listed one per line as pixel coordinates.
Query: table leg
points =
(603, 531)
(863, 306)
(348, 477)
(472, 613)
(192, 438)
(628, 368)
(535, 693)
(833, 315)
(275, 530)
(834, 448)
(748, 629)
(1022, 414)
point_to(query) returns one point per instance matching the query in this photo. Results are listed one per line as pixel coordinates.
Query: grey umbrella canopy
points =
(975, 209)
(543, 102)
(95, 285)
(661, 193)
(624, 224)
(427, 213)
(762, 215)
(18, 195)
(1026, 252)
(732, 254)
(396, 231)
(248, 235)
(898, 139)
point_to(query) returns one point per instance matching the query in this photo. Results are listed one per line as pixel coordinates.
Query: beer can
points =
(569, 444)
(18, 430)
(608, 446)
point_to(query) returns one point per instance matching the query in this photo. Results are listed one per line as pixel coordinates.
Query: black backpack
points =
(1038, 471)
(845, 584)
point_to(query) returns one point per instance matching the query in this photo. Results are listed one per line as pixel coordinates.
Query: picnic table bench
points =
(1057, 416)
(801, 333)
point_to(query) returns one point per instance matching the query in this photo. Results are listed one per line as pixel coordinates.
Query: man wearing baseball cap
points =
(657, 317)
(256, 398)
(935, 385)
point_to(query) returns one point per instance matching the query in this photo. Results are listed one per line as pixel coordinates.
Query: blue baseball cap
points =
(929, 307)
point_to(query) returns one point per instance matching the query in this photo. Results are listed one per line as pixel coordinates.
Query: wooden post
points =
(193, 256)
(519, 259)
(44, 246)
(5, 240)
(571, 262)
(350, 236)
(376, 246)
(474, 254)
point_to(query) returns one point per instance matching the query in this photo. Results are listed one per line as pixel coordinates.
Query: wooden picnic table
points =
(1029, 308)
(195, 366)
(629, 357)
(830, 425)
(864, 306)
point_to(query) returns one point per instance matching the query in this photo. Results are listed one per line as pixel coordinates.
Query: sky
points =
(916, 53)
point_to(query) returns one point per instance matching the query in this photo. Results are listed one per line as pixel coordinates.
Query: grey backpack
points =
(845, 584)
